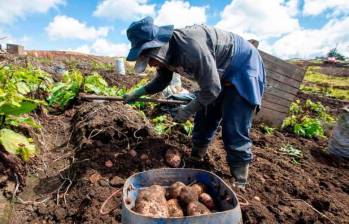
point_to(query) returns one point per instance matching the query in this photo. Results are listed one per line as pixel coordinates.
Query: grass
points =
(326, 85)
(315, 77)
(342, 94)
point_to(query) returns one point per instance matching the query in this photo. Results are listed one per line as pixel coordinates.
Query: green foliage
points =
(334, 53)
(266, 129)
(336, 93)
(64, 92)
(17, 86)
(307, 120)
(96, 84)
(295, 108)
(188, 127)
(17, 121)
(96, 66)
(314, 75)
(295, 154)
(325, 85)
(17, 144)
(162, 125)
(309, 128)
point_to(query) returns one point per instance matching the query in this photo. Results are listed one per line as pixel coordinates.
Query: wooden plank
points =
(281, 86)
(279, 92)
(270, 116)
(282, 67)
(277, 100)
(274, 106)
(282, 78)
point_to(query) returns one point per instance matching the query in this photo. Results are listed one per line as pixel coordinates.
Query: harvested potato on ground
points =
(173, 158)
(175, 189)
(207, 200)
(188, 195)
(174, 208)
(152, 202)
(196, 208)
(199, 188)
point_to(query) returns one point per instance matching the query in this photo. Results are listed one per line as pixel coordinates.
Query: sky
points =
(285, 28)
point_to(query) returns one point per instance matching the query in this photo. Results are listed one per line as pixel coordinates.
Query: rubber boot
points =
(240, 174)
(198, 152)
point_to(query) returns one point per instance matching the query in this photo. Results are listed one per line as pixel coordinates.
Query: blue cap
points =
(144, 34)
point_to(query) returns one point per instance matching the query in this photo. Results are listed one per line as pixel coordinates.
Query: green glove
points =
(130, 97)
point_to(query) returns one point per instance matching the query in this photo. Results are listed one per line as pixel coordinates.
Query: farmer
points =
(229, 72)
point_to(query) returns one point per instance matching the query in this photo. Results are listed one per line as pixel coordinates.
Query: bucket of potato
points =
(178, 195)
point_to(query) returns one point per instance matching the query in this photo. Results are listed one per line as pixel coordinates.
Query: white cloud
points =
(180, 14)
(308, 43)
(257, 19)
(316, 7)
(124, 9)
(11, 10)
(63, 27)
(105, 48)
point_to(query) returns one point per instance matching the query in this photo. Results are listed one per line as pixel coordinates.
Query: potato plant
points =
(17, 85)
(307, 120)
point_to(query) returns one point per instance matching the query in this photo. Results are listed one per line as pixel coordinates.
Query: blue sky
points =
(286, 28)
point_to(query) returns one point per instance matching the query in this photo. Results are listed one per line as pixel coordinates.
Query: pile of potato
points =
(177, 201)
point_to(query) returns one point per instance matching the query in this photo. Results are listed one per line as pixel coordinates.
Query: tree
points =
(334, 53)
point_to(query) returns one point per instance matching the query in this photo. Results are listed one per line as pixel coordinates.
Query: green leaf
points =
(17, 121)
(18, 108)
(17, 144)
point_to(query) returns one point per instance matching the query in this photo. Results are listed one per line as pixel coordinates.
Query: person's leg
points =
(237, 116)
(206, 122)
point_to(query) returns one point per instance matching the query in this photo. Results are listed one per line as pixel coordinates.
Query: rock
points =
(117, 181)
(42, 209)
(3, 178)
(257, 198)
(60, 213)
(133, 153)
(103, 183)
(144, 157)
(10, 186)
(108, 163)
(94, 178)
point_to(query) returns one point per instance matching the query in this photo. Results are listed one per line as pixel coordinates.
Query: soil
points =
(88, 151)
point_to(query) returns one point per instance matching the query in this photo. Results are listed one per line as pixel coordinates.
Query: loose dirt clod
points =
(173, 158)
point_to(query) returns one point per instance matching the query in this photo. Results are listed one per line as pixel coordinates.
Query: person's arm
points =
(160, 82)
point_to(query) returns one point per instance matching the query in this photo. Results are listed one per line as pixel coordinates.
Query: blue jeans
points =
(235, 114)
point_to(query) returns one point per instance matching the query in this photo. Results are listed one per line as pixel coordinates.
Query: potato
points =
(188, 195)
(199, 188)
(207, 200)
(196, 208)
(175, 189)
(174, 208)
(152, 202)
(173, 158)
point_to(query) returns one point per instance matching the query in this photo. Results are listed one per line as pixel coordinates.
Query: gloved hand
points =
(130, 97)
(183, 113)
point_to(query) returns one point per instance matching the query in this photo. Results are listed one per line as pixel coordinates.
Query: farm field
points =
(71, 155)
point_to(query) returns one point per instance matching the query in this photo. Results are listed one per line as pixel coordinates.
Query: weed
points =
(295, 154)
(266, 129)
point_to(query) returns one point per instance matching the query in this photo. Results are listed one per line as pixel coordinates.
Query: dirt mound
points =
(110, 123)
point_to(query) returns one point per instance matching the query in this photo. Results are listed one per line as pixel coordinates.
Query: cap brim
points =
(141, 64)
(163, 36)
